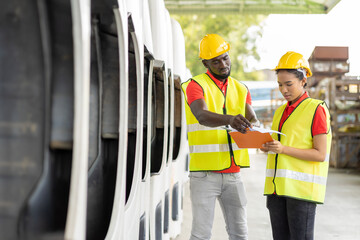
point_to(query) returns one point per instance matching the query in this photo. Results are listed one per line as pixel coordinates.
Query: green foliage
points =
(241, 31)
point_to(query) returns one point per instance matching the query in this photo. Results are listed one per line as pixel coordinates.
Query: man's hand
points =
(211, 119)
(240, 123)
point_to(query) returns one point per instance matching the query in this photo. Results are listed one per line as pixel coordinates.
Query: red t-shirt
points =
(195, 92)
(319, 124)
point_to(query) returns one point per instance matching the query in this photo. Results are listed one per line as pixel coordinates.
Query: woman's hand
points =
(273, 146)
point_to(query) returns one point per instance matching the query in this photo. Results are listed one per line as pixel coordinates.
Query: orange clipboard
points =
(251, 139)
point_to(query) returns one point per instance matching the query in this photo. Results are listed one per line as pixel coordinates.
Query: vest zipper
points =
(228, 135)
(229, 138)
(231, 150)
(276, 161)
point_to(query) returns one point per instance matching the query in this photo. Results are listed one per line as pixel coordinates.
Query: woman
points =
(297, 164)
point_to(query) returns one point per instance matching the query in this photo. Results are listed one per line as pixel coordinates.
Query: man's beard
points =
(222, 76)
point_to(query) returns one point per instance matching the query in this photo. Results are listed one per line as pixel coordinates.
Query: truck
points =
(92, 124)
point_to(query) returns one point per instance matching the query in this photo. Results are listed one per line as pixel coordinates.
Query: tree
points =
(241, 31)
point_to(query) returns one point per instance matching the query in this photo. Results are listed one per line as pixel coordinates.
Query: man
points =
(214, 100)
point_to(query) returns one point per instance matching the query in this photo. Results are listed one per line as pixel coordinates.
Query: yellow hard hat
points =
(294, 60)
(212, 45)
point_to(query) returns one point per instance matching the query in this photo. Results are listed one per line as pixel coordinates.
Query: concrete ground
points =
(338, 218)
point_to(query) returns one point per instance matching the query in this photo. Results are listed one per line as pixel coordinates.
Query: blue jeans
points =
(205, 188)
(291, 219)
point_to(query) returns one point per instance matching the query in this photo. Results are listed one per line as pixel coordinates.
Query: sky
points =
(302, 32)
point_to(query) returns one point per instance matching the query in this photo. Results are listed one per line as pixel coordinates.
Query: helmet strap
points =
(303, 71)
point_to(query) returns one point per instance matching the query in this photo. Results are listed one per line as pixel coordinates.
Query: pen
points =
(227, 128)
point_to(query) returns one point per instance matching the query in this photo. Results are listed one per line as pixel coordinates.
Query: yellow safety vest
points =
(290, 176)
(211, 148)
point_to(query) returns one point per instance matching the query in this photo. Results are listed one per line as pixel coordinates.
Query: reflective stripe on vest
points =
(290, 176)
(198, 127)
(305, 177)
(211, 148)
